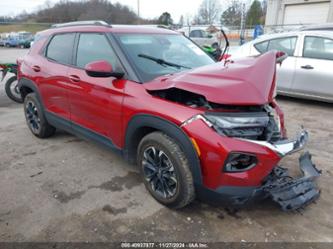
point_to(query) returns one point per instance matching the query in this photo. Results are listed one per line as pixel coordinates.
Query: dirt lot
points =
(67, 189)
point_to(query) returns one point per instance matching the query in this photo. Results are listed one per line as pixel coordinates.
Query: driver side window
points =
(318, 48)
(94, 47)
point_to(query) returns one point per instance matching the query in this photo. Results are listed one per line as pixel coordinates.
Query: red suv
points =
(196, 128)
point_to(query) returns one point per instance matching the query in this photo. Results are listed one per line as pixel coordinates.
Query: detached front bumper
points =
(290, 193)
(293, 193)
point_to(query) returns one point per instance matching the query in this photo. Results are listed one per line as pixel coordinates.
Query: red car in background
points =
(196, 128)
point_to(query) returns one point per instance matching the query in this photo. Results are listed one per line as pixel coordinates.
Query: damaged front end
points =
(238, 132)
(293, 193)
(262, 128)
(289, 192)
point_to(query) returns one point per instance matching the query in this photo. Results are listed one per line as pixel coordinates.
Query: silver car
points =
(308, 70)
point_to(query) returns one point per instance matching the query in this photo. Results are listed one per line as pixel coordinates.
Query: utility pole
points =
(242, 31)
(138, 1)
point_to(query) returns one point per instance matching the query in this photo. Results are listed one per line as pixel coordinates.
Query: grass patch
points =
(29, 27)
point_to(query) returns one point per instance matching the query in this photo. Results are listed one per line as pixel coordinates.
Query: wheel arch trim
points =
(140, 121)
(24, 82)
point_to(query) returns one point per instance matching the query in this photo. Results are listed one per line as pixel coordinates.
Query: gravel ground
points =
(67, 189)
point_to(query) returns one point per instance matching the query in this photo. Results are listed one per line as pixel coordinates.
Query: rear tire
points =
(35, 117)
(165, 170)
(12, 90)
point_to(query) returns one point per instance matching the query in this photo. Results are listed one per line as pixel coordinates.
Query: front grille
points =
(246, 133)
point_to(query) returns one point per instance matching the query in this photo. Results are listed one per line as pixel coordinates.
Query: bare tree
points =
(209, 11)
(181, 21)
(69, 10)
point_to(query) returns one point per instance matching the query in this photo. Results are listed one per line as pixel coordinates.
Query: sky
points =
(148, 8)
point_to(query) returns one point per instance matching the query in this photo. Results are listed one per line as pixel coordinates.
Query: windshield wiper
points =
(162, 62)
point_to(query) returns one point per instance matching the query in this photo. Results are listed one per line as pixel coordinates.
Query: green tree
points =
(233, 14)
(254, 14)
(165, 19)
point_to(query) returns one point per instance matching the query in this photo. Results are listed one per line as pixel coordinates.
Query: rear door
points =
(51, 72)
(285, 72)
(95, 103)
(314, 74)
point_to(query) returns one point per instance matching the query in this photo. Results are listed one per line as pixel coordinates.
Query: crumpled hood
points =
(248, 81)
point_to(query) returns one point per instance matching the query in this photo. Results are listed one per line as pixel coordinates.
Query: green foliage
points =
(165, 19)
(29, 27)
(233, 14)
(255, 14)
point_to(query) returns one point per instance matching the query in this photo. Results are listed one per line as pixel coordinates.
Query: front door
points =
(313, 74)
(95, 103)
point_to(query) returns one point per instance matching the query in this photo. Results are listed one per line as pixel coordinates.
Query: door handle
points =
(307, 67)
(36, 68)
(74, 78)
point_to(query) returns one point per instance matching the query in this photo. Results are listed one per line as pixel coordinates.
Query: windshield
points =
(154, 55)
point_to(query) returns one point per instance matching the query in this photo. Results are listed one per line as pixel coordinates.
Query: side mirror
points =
(280, 57)
(101, 69)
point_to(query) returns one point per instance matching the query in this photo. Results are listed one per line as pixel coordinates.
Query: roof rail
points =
(81, 23)
(325, 27)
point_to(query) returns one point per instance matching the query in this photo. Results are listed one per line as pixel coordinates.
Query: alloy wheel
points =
(159, 172)
(32, 116)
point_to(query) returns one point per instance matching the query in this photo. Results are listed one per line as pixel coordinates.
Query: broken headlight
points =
(244, 125)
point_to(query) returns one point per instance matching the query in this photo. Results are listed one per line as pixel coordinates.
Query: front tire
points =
(165, 170)
(12, 90)
(35, 117)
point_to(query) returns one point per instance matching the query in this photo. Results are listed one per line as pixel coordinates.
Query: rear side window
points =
(318, 48)
(60, 48)
(94, 47)
(286, 44)
(196, 34)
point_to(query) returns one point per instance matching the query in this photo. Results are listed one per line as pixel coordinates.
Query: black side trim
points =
(80, 131)
(144, 120)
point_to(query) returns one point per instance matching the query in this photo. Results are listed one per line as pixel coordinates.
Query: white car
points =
(200, 35)
(308, 70)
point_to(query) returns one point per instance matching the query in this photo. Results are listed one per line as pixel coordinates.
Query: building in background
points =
(299, 12)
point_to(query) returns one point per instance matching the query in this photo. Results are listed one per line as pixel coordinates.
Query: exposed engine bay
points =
(248, 122)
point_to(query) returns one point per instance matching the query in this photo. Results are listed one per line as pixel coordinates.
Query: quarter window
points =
(318, 48)
(94, 47)
(60, 48)
(261, 47)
